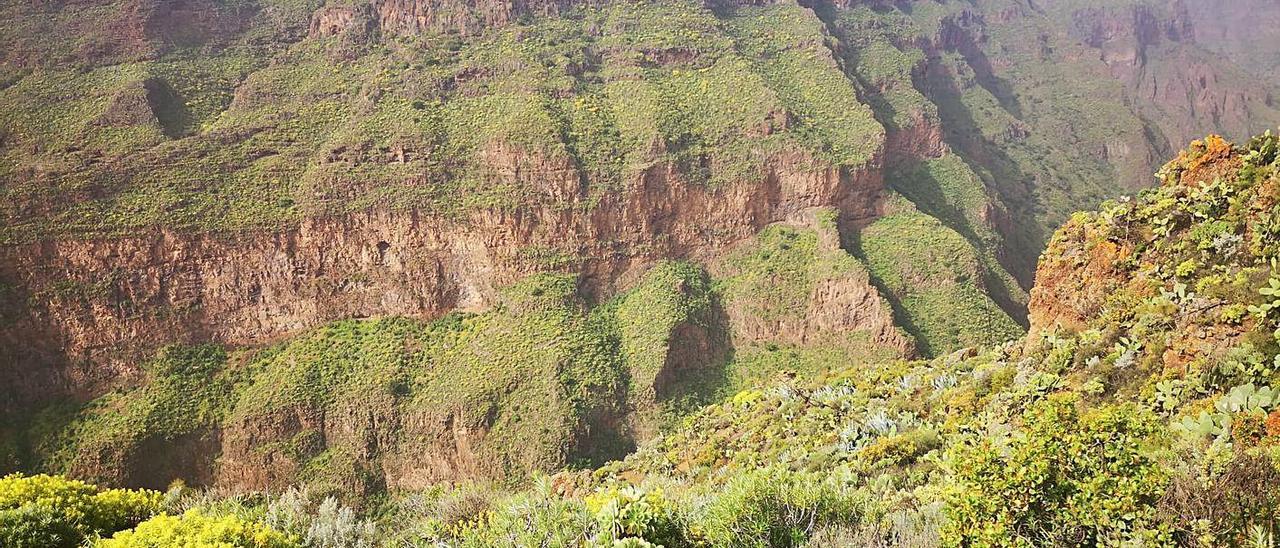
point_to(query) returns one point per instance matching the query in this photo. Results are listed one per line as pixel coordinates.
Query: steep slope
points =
(359, 406)
(506, 164)
(540, 380)
(1244, 32)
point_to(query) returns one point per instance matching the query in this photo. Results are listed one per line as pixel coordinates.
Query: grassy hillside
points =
(254, 135)
(541, 382)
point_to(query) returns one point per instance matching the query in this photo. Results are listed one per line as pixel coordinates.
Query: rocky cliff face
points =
(95, 32)
(1158, 50)
(412, 17)
(1247, 32)
(111, 302)
(1158, 258)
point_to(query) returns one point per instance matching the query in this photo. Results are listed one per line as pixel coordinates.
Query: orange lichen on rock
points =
(1080, 262)
(1273, 424)
(1203, 161)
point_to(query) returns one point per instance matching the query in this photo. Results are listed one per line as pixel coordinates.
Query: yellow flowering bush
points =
(52, 511)
(194, 529)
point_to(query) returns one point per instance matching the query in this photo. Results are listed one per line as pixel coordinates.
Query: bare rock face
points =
(334, 20)
(118, 31)
(96, 307)
(130, 107)
(920, 140)
(195, 22)
(1077, 273)
(1245, 31)
(1193, 88)
(469, 17)
(81, 316)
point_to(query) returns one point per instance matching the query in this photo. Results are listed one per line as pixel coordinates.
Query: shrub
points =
(324, 525)
(441, 510)
(194, 529)
(776, 508)
(1227, 507)
(535, 518)
(51, 511)
(635, 513)
(1065, 480)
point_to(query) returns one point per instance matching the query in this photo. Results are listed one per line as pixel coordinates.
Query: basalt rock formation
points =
(110, 301)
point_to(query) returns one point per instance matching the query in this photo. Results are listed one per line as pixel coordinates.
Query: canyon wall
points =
(81, 313)
(988, 124)
(1161, 51)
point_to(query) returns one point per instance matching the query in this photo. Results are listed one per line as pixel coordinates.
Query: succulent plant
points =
(834, 396)
(907, 384)
(1205, 424)
(1168, 395)
(944, 381)
(880, 423)
(1248, 398)
(1272, 290)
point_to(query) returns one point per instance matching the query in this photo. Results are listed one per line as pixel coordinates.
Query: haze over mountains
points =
(378, 246)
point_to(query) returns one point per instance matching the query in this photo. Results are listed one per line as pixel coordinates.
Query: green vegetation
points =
(938, 281)
(47, 511)
(1142, 409)
(775, 276)
(227, 140)
(1100, 429)
(673, 300)
(722, 404)
(1070, 480)
(770, 285)
(534, 377)
(187, 391)
(883, 66)
(53, 512)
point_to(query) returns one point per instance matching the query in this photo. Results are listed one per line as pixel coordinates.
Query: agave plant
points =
(944, 381)
(834, 396)
(880, 423)
(852, 438)
(907, 384)
(1261, 537)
